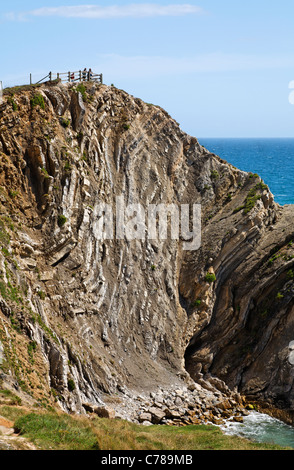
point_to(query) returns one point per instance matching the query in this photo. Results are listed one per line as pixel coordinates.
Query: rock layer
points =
(82, 317)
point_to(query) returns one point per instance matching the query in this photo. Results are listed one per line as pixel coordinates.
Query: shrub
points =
(290, 274)
(45, 173)
(82, 89)
(210, 277)
(251, 198)
(13, 194)
(32, 346)
(4, 235)
(61, 220)
(67, 166)
(5, 252)
(71, 385)
(11, 101)
(214, 174)
(11, 398)
(250, 203)
(64, 122)
(38, 100)
(41, 294)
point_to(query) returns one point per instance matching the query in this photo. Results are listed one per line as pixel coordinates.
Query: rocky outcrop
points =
(84, 318)
(185, 406)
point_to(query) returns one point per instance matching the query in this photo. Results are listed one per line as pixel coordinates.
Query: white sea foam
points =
(261, 428)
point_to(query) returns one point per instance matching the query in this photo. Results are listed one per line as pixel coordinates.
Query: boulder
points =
(156, 415)
(105, 412)
(178, 401)
(88, 407)
(145, 417)
(238, 419)
(172, 414)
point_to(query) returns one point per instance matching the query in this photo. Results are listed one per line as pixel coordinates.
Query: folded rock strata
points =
(81, 318)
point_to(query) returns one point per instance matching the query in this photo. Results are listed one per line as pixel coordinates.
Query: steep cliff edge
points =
(82, 318)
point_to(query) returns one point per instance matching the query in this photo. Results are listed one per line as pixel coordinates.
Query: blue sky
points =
(221, 68)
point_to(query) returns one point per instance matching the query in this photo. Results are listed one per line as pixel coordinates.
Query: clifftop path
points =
(83, 320)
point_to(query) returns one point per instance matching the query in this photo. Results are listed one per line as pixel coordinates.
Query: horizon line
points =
(245, 137)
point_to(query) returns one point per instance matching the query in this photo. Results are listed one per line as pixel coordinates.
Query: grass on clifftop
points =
(58, 431)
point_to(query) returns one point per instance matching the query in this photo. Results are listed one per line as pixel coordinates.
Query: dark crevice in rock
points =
(63, 258)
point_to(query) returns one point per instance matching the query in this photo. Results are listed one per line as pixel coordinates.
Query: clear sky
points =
(221, 68)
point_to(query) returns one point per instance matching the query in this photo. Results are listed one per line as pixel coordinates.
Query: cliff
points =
(86, 321)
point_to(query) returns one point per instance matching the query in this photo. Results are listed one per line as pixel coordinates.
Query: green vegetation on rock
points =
(252, 198)
(38, 100)
(61, 220)
(210, 277)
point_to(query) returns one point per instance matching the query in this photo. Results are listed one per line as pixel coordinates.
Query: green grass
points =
(7, 395)
(12, 412)
(58, 431)
(10, 91)
(9, 292)
(194, 437)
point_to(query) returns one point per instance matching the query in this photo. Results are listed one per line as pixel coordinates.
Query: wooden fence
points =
(77, 76)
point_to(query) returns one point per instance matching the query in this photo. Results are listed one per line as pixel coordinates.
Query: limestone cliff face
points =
(81, 316)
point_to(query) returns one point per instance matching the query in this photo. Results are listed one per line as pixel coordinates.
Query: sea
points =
(261, 428)
(273, 160)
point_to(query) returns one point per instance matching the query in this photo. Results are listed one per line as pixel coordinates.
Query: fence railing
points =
(77, 76)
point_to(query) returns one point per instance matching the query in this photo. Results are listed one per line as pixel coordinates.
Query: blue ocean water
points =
(272, 159)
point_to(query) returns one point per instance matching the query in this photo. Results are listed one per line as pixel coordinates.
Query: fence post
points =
(101, 78)
(50, 76)
(69, 76)
(1, 91)
(30, 78)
